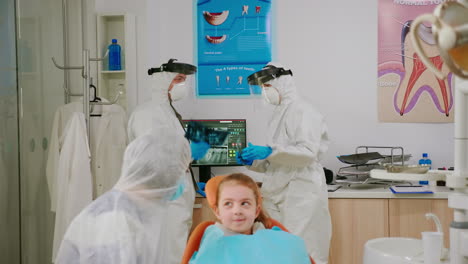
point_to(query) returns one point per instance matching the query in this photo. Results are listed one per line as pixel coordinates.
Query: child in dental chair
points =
(244, 232)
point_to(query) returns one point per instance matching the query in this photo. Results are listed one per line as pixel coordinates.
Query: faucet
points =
(436, 221)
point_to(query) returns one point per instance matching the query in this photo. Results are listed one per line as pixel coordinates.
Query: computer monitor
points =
(221, 153)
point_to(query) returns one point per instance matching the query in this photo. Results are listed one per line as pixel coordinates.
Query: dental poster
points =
(408, 92)
(234, 40)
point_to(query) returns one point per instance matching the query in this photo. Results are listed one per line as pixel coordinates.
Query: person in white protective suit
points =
(128, 224)
(169, 84)
(294, 188)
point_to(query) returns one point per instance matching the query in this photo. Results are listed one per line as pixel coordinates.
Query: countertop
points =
(440, 192)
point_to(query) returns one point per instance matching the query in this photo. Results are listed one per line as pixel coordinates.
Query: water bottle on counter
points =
(425, 161)
(114, 56)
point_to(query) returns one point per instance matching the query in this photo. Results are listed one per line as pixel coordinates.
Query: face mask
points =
(271, 95)
(178, 91)
(179, 191)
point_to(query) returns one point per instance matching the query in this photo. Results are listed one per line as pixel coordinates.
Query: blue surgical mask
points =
(179, 191)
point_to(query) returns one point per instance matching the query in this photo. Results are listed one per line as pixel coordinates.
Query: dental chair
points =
(196, 236)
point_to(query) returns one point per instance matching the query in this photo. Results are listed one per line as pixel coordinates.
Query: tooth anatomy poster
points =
(408, 92)
(234, 40)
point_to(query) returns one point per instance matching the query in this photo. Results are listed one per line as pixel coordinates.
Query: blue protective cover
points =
(269, 246)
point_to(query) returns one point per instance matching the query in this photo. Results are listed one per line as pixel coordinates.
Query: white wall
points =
(331, 46)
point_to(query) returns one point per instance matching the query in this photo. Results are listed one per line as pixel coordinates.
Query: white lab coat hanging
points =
(108, 139)
(74, 176)
(108, 142)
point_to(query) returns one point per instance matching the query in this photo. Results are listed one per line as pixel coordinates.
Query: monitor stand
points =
(204, 173)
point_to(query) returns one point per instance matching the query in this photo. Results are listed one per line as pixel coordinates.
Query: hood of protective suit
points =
(154, 164)
(285, 85)
(160, 82)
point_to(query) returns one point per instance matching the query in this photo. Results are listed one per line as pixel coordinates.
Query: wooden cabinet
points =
(354, 221)
(201, 212)
(407, 217)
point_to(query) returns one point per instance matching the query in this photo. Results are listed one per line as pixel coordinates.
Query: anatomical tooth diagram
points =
(216, 19)
(415, 84)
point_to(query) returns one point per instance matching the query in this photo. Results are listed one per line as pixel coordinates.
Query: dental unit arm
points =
(450, 29)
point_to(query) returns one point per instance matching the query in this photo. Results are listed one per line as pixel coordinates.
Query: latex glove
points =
(242, 161)
(253, 152)
(201, 188)
(199, 149)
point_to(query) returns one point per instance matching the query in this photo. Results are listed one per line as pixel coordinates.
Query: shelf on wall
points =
(120, 26)
(122, 71)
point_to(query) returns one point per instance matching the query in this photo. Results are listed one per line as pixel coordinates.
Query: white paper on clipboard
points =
(410, 189)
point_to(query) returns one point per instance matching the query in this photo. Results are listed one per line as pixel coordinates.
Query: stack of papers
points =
(411, 189)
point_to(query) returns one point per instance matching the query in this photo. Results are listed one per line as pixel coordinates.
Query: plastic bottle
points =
(426, 162)
(114, 56)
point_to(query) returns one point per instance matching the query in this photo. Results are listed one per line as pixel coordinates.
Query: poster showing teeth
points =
(234, 40)
(408, 92)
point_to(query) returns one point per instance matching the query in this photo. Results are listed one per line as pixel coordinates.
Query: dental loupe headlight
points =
(172, 66)
(267, 74)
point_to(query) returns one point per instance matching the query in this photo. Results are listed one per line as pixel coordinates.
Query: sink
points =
(396, 250)
(393, 250)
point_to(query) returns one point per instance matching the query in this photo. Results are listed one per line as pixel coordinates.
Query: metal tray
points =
(416, 169)
(360, 158)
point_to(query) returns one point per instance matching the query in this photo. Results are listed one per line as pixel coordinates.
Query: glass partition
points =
(39, 37)
(9, 174)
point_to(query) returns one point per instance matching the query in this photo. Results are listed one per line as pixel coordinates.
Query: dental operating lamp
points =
(450, 29)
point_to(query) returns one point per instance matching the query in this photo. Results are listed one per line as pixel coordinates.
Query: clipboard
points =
(410, 189)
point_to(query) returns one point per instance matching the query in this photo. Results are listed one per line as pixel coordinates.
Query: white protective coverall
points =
(128, 224)
(294, 187)
(158, 112)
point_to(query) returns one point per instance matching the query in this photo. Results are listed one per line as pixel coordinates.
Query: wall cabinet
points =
(121, 27)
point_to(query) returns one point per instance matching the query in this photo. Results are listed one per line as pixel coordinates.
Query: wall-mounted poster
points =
(234, 40)
(408, 92)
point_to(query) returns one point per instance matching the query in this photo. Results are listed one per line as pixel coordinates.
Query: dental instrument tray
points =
(360, 158)
(417, 169)
(364, 161)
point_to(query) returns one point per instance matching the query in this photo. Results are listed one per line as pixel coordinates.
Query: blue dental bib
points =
(267, 246)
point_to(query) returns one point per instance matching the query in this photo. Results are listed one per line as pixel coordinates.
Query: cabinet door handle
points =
(197, 206)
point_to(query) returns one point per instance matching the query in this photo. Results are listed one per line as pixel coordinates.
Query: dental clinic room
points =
(220, 131)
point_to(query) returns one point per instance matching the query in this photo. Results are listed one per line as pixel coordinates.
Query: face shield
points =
(172, 66)
(182, 82)
(259, 81)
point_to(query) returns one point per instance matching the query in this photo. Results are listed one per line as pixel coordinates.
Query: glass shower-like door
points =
(39, 37)
(9, 160)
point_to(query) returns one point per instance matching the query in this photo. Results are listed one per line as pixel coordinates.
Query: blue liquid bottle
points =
(427, 162)
(114, 56)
